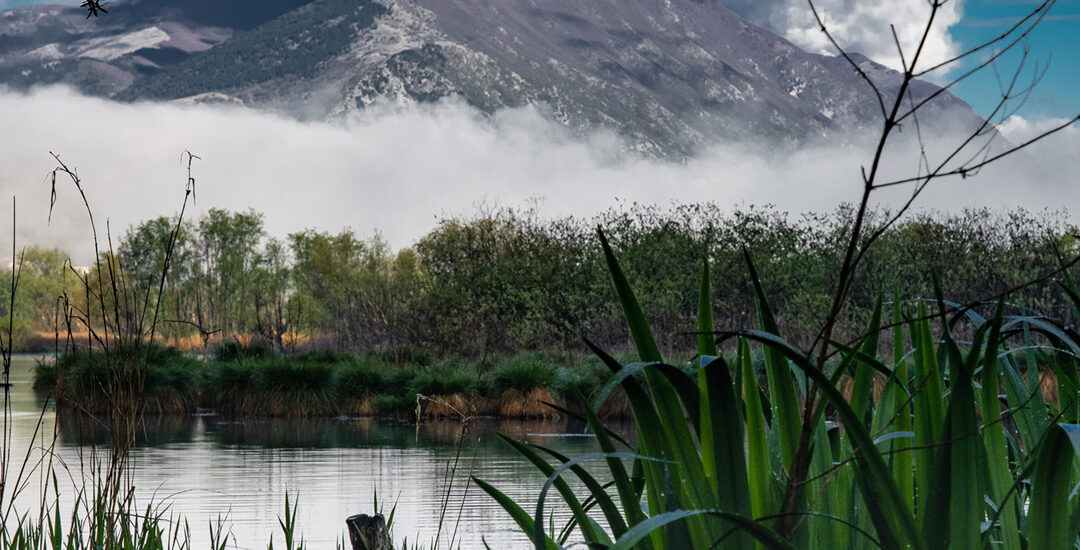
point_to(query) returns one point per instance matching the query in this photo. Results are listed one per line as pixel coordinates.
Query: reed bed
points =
(932, 443)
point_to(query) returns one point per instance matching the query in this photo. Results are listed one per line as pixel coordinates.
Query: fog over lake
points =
(396, 169)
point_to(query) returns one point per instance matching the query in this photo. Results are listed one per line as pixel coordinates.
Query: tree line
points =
(508, 279)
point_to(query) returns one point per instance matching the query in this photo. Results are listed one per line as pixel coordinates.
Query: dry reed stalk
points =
(446, 406)
(517, 404)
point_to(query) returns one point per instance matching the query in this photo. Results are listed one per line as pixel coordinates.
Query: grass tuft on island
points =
(254, 381)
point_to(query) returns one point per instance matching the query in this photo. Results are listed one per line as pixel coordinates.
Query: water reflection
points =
(82, 430)
(204, 467)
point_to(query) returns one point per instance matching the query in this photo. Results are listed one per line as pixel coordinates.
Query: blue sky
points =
(16, 3)
(1056, 43)
(1054, 46)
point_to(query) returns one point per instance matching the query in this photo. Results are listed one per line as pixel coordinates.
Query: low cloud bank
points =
(396, 170)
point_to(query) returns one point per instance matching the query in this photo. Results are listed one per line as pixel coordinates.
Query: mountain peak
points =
(670, 76)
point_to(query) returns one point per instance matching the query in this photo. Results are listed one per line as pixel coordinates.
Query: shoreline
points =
(332, 385)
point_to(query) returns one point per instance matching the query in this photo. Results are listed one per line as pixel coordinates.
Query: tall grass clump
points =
(235, 351)
(273, 385)
(445, 389)
(110, 340)
(288, 388)
(523, 384)
(170, 381)
(357, 381)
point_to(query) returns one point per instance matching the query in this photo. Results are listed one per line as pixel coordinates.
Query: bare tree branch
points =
(1039, 11)
(854, 65)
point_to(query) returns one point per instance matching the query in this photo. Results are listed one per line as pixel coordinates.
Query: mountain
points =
(670, 76)
(50, 44)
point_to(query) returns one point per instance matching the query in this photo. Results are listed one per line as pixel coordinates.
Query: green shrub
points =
(44, 375)
(390, 404)
(281, 374)
(585, 378)
(524, 372)
(325, 357)
(360, 378)
(446, 377)
(169, 378)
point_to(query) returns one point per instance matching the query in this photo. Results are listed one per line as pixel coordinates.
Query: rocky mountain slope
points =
(668, 75)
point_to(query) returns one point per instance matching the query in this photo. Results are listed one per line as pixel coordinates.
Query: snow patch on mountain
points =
(113, 47)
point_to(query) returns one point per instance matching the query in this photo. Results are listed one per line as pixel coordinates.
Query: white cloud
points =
(1018, 129)
(396, 169)
(864, 27)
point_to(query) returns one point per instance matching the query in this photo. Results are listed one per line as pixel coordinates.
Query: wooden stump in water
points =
(368, 532)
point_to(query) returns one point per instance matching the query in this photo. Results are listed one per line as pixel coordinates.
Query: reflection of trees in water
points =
(80, 430)
(363, 432)
(366, 432)
(153, 430)
(291, 432)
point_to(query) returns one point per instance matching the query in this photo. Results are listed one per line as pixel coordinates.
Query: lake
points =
(204, 467)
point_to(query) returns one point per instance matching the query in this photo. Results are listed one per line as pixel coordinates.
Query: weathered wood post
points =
(368, 532)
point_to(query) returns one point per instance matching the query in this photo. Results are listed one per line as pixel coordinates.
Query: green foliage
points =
(148, 528)
(524, 372)
(443, 378)
(507, 280)
(927, 463)
(355, 291)
(169, 380)
(228, 254)
(143, 250)
(44, 278)
(582, 377)
(275, 386)
(360, 378)
(254, 380)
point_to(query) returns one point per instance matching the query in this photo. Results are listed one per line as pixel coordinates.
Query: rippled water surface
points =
(206, 467)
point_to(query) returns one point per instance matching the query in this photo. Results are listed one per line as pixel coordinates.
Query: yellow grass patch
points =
(516, 404)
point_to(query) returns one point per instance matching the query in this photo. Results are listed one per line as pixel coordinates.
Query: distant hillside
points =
(670, 76)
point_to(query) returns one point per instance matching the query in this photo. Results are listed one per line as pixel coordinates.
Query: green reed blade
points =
(560, 484)
(635, 316)
(596, 490)
(521, 517)
(895, 524)
(997, 452)
(764, 494)
(706, 340)
(722, 451)
(679, 445)
(764, 535)
(863, 384)
(785, 404)
(1049, 518)
(927, 407)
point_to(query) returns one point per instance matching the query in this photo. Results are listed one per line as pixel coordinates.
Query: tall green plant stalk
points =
(708, 466)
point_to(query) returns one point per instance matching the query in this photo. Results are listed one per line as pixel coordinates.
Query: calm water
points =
(206, 467)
